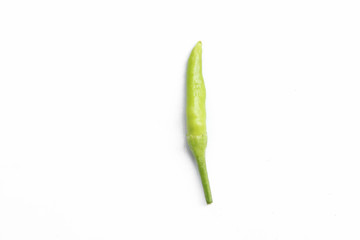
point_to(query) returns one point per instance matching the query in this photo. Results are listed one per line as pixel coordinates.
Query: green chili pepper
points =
(196, 115)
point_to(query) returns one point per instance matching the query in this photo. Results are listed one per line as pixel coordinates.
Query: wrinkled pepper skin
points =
(196, 115)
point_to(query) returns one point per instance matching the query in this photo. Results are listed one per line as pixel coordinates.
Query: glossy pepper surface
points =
(196, 115)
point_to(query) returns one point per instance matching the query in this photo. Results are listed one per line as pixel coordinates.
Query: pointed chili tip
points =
(198, 47)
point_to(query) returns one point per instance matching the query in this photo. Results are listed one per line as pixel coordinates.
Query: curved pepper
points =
(196, 115)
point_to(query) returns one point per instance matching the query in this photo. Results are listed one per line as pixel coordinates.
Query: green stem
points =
(204, 179)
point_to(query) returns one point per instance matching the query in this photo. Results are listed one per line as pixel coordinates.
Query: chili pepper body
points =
(196, 115)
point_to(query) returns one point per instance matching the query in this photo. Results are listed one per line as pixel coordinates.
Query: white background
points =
(92, 131)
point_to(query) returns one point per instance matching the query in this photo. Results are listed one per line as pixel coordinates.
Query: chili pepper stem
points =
(204, 178)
